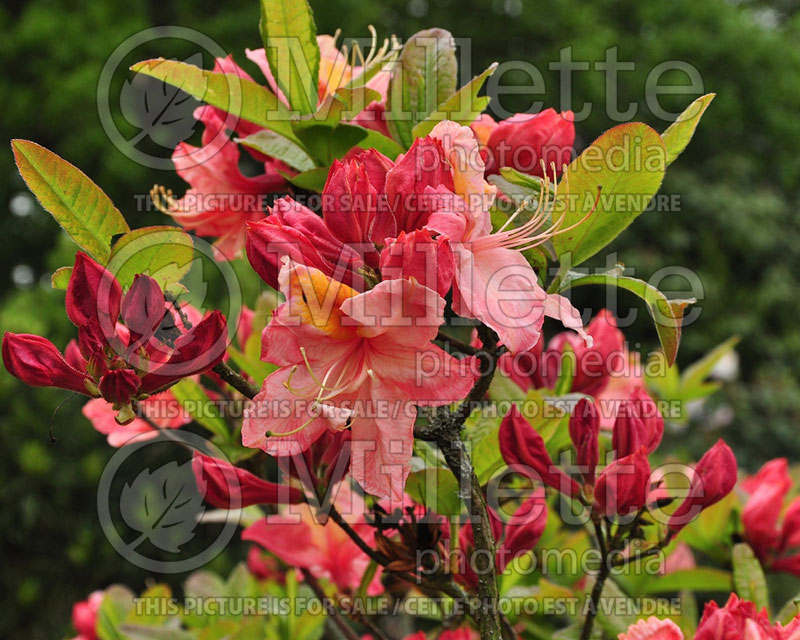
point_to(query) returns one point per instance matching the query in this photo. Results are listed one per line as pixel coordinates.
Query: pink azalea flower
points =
(297, 538)
(652, 629)
(162, 409)
(773, 538)
(358, 361)
(220, 200)
(494, 283)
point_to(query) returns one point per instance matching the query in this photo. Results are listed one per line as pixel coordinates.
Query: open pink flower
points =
(358, 361)
(652, 629)
(163, 410)
(299, 539)
(129, 347)
(220, 200)
(775, 540)
(494, 283)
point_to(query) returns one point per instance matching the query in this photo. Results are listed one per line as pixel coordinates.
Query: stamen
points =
(164, 200)
(271, 434)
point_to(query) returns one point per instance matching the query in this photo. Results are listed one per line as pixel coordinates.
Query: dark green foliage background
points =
(737, 225)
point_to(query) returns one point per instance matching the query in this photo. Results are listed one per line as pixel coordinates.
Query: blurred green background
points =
(736, 227)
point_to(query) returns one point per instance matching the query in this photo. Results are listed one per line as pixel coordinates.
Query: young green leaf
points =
(626, 164)
(78, 204)
(164, 253)
(276, 146)
(748, 576)
(290, 40)
(680, 132)
(193, 398)
(60, 278)
(425, 77)
(311, 180)
(667, 314)
(237, 96)
(462, 107)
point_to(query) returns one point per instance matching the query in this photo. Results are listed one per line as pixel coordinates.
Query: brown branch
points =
(235, 380)
(333, 614)
(457, 344)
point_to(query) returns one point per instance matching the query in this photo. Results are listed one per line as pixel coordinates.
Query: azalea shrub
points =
(420, 453)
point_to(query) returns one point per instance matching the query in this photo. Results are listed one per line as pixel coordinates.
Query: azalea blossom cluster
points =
(377, 247)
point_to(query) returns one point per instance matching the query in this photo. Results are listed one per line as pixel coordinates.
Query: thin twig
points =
(235, 380)
(333, 614)
(457, 344)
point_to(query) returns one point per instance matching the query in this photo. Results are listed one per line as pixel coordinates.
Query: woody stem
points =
(235, 380)
(446, 427)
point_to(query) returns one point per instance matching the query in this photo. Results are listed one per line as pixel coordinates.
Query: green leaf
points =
(789, 610)
(78, 204)
(60, 278)
(481, 432)
(697, 372)
(567, 374)
(117, 602)
(436, 488)
(424, 78)
(253, 367)
(700, 579)
(311, 180)
(195, 401)
(290, 40)
(345, 104)
(627, 164)
(276, 146)
(667, 314)
(328, 141)
(462, 107)
(680, 132)
(164, 253)
(748, 576)
(235, 95)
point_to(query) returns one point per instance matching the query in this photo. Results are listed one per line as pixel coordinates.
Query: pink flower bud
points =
(37, 362)
(652, 629)
(524, 529)
(639, 424)
(197, 350)
(584, 428)
(525, 139)
(523, 447)
(295, 231)
(424, 165)
(120, 386)
(418, 255)
(740, 619)
(84, 616)
(228, 487)
(714, 478)
(93, 297)
(623, 486)
(143, 307)
(353, 200)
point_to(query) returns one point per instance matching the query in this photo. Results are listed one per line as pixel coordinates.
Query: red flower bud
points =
(424, 165)
(197, 350)
(524, 140)
(584, 428)
(93, 298)
(120, 386)
(353, 201)
(143, 307)
(523, 447)
(228, 487)
(37, 362)
(714, 478)
(623, 486)
(639, 424)
(295, 231)
(418, 255)
(524, 530)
